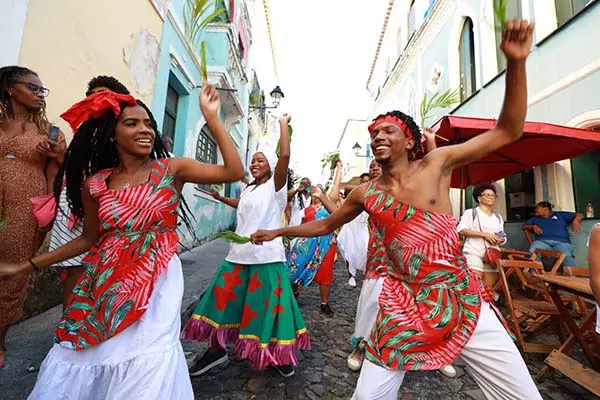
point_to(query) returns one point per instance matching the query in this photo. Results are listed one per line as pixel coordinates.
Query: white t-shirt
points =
(297, 215)
(259, 208)
(489, 223)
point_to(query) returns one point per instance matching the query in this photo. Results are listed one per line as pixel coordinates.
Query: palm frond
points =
(203, 62)
(500, 7)
(330, 159)
(197, 15)
(437, 100)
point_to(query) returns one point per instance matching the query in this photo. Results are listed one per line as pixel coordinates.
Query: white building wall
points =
(14, 14)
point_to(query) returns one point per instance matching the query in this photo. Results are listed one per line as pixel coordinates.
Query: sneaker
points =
(355, 361)
(448, 371)
(325, 309)
(352, 282)
(208, 361)
(285, 370)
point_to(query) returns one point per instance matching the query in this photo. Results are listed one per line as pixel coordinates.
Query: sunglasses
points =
(35, 89)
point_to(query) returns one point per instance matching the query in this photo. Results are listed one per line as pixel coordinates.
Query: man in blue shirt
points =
(551, 230)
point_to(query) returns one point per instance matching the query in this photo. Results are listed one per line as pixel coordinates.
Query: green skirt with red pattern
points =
(251, 306)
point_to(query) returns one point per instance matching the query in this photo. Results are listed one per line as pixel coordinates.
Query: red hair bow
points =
(95, 106)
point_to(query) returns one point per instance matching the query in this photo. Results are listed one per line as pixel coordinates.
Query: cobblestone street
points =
(322, 373)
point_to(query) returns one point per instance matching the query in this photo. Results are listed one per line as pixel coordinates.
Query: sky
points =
(324, 50)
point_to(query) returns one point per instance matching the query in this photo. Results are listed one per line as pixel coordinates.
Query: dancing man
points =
(432, 307)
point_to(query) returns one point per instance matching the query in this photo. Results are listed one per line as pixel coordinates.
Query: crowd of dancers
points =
(119, 200)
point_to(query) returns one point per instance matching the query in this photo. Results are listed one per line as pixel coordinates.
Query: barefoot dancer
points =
(433, 308)
(249, 301)
(119, 336)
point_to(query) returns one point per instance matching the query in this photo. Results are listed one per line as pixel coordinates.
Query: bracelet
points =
(33, 265)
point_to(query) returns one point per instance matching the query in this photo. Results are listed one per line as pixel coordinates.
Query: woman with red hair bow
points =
(119, 334)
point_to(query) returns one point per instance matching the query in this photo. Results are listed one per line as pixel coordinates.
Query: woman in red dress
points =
(119, 335)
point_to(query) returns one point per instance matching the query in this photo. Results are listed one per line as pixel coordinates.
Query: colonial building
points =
(70, 41)
(354, 150)
(445, 44)
(175, 102)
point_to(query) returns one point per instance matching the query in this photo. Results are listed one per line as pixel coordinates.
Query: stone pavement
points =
(29, 341)
(322, 373)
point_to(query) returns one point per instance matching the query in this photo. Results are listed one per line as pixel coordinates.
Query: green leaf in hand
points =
(203, 62)
(233, 237)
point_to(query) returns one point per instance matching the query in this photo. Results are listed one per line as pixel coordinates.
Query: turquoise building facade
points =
(175, 103)
(442, 44)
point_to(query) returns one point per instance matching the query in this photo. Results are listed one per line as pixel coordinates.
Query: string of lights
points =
(270, 30)
(381, 36)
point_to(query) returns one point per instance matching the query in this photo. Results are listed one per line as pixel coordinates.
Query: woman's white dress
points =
(145, 361)
(353, 242)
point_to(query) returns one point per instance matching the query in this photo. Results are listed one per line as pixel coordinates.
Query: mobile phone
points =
(501, 234)
(53, 135)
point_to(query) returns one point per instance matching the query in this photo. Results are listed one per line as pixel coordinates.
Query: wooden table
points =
(558, 359)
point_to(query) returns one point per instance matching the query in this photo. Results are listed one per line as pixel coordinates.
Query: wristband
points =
(33, 265)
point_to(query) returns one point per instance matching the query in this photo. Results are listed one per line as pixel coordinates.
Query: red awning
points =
(540, 144)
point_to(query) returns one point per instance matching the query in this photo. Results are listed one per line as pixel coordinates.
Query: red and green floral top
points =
(137, 240)
(430, 301)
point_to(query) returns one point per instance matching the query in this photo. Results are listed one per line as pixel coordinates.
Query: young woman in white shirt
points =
(483, 228)
(249, 302)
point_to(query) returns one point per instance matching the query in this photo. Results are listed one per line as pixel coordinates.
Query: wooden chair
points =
(581, 273)
(559, 258)
(529, 317)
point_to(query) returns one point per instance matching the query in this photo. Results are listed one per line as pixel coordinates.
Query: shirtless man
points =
(432, 308)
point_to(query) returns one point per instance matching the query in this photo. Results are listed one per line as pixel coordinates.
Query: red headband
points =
(391, 119)
(400, 124)
(95, 105)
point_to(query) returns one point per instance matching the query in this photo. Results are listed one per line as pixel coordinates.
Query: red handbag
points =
(44, 209)
(44, 206)
(492, 254)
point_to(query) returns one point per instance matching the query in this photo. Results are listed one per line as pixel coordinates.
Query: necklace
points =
(134, 175)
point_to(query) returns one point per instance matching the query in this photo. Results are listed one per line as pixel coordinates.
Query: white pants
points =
(368, 305)
(491, 357)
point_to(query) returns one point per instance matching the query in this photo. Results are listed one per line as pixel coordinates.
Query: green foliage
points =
(203, 61)
(2, 224)
(196, 16)
(231, 236)
(255, 99)
(330, 159)
(438, 100)
(500, 14)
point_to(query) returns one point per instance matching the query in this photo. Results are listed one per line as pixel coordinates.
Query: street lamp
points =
(357, 148)
(276, 94)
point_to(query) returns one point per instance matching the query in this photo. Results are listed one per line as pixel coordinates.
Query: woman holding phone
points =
(29, 161)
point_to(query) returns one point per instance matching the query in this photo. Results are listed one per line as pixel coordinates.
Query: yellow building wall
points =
(68, 42)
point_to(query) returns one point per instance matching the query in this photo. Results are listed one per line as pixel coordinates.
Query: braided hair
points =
(9, 76)
(94, 149)
(417, 150)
